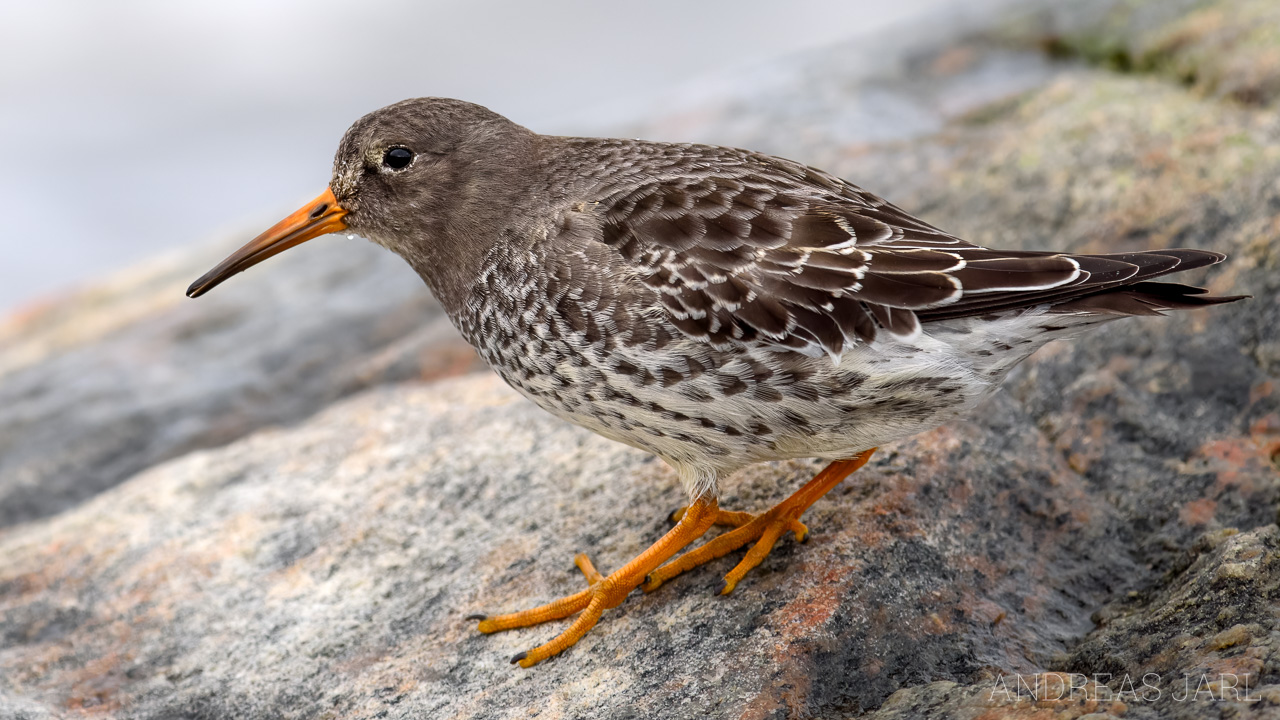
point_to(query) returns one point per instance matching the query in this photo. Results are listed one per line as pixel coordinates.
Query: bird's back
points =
(719, 307)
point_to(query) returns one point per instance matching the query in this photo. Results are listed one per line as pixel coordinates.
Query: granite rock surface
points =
(100, 385)
(1112, 514)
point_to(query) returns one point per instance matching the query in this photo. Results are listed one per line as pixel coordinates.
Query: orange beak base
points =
(319, 217)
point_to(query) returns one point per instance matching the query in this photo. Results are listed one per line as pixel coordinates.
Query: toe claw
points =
(519, 656)
(650, 583)
(476, 616)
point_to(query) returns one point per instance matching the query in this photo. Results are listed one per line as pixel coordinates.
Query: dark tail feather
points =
(1144, 298)
(1109, 284)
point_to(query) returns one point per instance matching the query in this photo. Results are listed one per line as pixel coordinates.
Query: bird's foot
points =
(765, 528)
(733, 518)
(603, 592)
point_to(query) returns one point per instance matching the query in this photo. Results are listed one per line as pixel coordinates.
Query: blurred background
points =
(135, 127)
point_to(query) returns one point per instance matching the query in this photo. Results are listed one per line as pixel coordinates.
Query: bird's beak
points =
(318, 217)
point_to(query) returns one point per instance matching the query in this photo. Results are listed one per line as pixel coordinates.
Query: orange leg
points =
(733, 518)
(603, 592)
(764, 528)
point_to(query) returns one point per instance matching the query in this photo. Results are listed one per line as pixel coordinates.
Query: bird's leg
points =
(734, 518)
(603, 592)
(764, 528)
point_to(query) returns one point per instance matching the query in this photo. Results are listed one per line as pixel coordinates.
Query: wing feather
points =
(800, 260)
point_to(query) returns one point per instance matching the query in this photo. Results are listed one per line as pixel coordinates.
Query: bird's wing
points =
(818, 270)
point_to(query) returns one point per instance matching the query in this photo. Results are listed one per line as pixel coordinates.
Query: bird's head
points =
(402, 177)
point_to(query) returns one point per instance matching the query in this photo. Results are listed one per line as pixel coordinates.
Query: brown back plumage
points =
(791, 256)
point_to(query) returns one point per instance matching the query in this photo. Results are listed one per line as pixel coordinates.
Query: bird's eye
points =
(398, 158)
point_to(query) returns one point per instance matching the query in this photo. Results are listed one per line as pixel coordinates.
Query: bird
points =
(712, 306)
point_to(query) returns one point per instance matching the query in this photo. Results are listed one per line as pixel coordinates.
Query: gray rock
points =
(1206, 632)
(328, 568)
(1224, 50)
(100, 385)
(1112, 512)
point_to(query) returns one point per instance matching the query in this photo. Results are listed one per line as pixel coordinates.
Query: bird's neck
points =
(485, 207)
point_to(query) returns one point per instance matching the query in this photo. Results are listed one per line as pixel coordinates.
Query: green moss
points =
(1224, 48)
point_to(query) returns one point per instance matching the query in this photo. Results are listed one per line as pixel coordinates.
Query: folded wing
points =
(817, 272)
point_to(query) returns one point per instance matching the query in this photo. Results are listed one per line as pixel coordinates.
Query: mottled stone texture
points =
(102, 384)
(1112, 513)
(1217, 49)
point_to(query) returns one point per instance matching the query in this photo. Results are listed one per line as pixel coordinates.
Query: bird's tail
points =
(1112, 284)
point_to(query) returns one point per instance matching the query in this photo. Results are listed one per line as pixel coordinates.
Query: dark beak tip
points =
(199, 287)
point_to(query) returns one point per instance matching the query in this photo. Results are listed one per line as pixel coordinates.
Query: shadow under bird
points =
(713, 306)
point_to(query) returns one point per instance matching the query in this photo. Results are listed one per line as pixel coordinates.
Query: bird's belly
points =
(721, 410)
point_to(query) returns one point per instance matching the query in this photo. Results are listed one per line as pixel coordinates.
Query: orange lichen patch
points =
(980, 563)
(95, 685)
(787, 693)
(1236, 665)
(952, 61)
(1265, 433)
(941, 440)
(1261, 391)
(1234, 635)
(1157, 159)
(85, 315)
(1083, 445)
(1239, 462)
(296, 580)
(871, 537)
(62, 565)
(1033, 604)
(1118, 364)
(933, 624)
(1267, 425)
(813, 605)
(447, 361)
(1198, 512)
(890, 514)
(26, 584)
(28, 317)
(960, 492)
(796, 621)
(896, 507)
(171, 562)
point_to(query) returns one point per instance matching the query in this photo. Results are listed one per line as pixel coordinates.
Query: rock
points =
(1113, 512)
(1218, 49)
(1206, 633)
(328, 569)
(102, 384)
